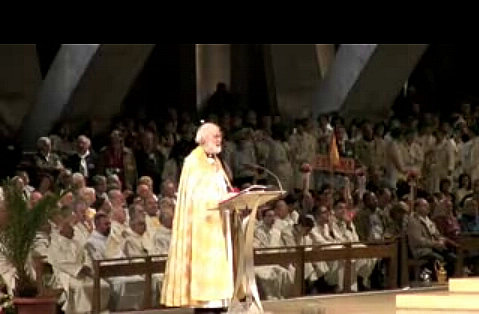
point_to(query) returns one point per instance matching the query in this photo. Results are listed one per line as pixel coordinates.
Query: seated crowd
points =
(416, 177)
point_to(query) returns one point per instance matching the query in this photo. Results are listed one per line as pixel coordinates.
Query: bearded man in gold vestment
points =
(199, 271)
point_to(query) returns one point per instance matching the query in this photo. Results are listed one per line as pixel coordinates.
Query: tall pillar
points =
(364, 80)
(60, 82)
(213, 65)
(326, 54)
(107, 81)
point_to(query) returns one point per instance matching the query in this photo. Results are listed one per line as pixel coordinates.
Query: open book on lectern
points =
(255, 195)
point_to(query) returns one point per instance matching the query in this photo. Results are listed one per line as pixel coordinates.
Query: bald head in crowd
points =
(78, 181)
(116, 198)
(88, 195)
(422, 207)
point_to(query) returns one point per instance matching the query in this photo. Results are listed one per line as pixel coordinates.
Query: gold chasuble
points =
(199, 271)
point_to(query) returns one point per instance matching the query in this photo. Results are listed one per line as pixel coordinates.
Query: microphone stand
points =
(255, 166)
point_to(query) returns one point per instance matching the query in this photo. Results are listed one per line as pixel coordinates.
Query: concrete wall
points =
(297, 78)
(213, 65)
(381, 81)
(20, 80)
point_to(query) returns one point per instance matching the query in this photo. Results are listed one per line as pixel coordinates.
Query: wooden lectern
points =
(243, 230)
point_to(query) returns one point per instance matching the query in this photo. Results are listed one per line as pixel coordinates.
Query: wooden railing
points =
(319, 253)
(147, 266)
(297, 256)
(468, 242)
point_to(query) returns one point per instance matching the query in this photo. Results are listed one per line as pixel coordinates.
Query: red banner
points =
(346, 165)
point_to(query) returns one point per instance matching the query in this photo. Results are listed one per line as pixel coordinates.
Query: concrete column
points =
(296, 78)
(326, 55)
(213, 65)
(20, 80)
(107, 81)
(364, 80)
(62, 78)
(350, 61)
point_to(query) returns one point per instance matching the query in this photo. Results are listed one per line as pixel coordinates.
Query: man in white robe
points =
(298, 235)
(345, 231)
(168, 193)
(322, 234)
(440, 162)
(304, 148)
(152, 221)
(136, 244)
(162, 237)
(283, 217)
(68, 260)
(127, 291)
(82, 227)
(118, 234)
(275, 280)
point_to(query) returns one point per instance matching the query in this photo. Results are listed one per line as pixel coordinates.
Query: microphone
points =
(255, 166)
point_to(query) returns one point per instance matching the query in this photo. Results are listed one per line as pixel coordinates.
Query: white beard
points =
(212, 149)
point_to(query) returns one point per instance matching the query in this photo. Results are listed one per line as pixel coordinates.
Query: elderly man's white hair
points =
(203, 131)
(43, 140)
(86, 139)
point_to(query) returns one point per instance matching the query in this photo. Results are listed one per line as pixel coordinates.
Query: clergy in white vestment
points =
(83, 227)
(135, 243)
(322, 234)
(162, 237)
(127, 291)
(298, 235)
(275, 281)
(304, 148)
(168, 193)
(282, 214)
(70, 267)
(162, 240)
(440, 162)
(151, 219)
(118, 233)
(117, 200)
(344, 230)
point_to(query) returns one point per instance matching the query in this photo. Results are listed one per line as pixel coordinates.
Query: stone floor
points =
(381, 302)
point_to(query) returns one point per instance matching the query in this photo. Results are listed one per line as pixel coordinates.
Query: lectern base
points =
(245, 307)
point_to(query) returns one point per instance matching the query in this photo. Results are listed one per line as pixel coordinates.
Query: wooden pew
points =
(297, 256)
(284, 256)
(318, 253)
(382, 249)
(467, 242)
(146, 266)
